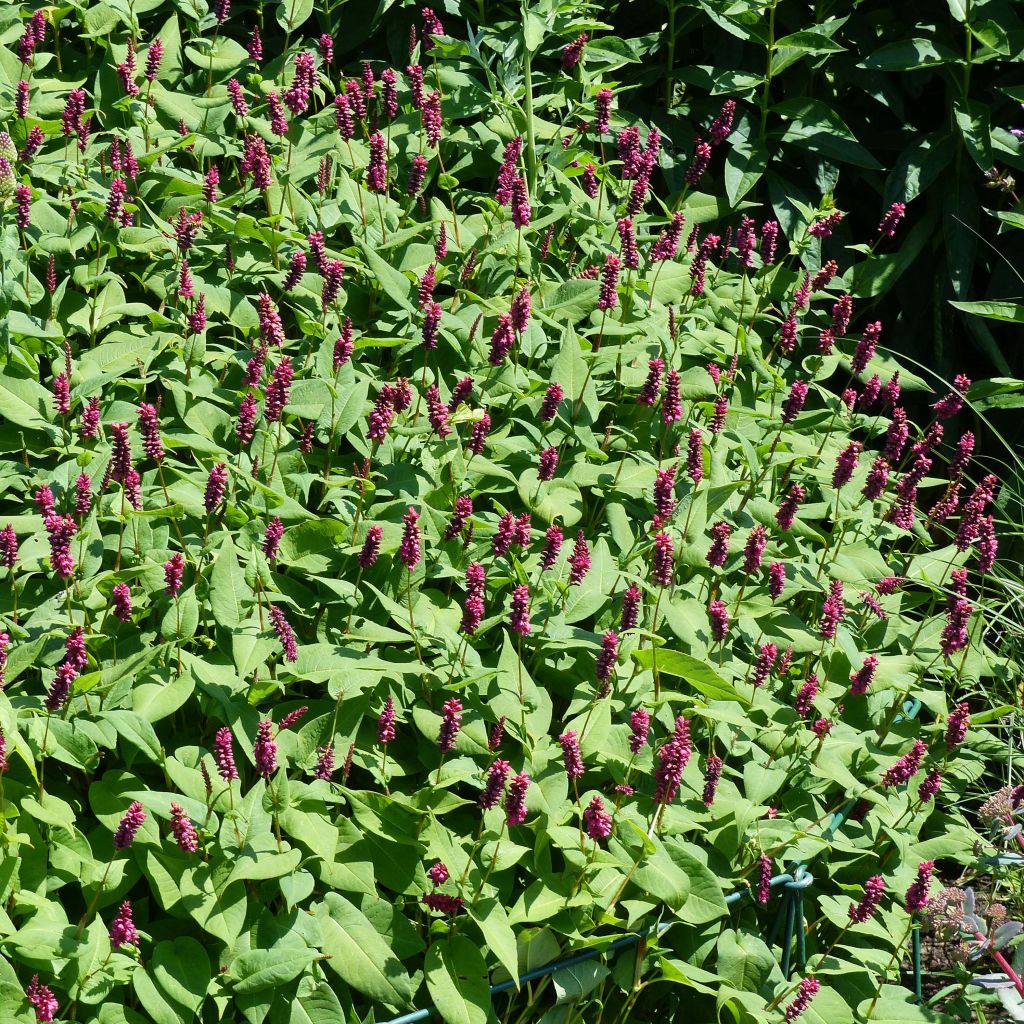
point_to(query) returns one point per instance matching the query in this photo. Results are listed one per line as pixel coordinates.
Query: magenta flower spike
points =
(129, 826)
(864, 910)
(597, 821)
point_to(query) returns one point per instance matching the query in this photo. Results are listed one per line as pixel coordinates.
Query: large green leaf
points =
(173, 987)
(1010, 312)
(701, 676)
(457, 981)
(660, 875)
(359, 955)
(228, 589)
(268, 968)
(24, 402)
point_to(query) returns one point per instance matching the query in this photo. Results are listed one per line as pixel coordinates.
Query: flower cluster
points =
(416, 507)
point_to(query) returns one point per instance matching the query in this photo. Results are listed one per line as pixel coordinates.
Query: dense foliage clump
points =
(434, 546)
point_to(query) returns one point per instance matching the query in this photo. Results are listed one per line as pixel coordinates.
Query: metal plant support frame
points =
(789, 916)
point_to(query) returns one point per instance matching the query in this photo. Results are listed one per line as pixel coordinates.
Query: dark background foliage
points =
(872, 103)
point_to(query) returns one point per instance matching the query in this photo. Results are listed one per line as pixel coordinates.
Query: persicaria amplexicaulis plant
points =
(455, 519)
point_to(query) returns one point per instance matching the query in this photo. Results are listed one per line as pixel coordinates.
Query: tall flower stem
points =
(490, 867)
(670, 52)
(42, 755)
(380, 215)
(95, 898)
(881, 978)
(531, 144)
(654, 646)
(277, 449)
(355, 598)
(177, 612)
(412, 621)
(277, 823)
(384, 765)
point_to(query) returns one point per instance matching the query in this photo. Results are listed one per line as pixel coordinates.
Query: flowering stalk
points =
(531, 144)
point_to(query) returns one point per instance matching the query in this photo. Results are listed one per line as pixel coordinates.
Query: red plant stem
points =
(1005, 964)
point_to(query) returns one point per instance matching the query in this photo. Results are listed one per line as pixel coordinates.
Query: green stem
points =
(670, 49)
(765, 93)
(531, 145)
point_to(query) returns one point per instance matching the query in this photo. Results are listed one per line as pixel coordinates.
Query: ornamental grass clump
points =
(435, 542)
